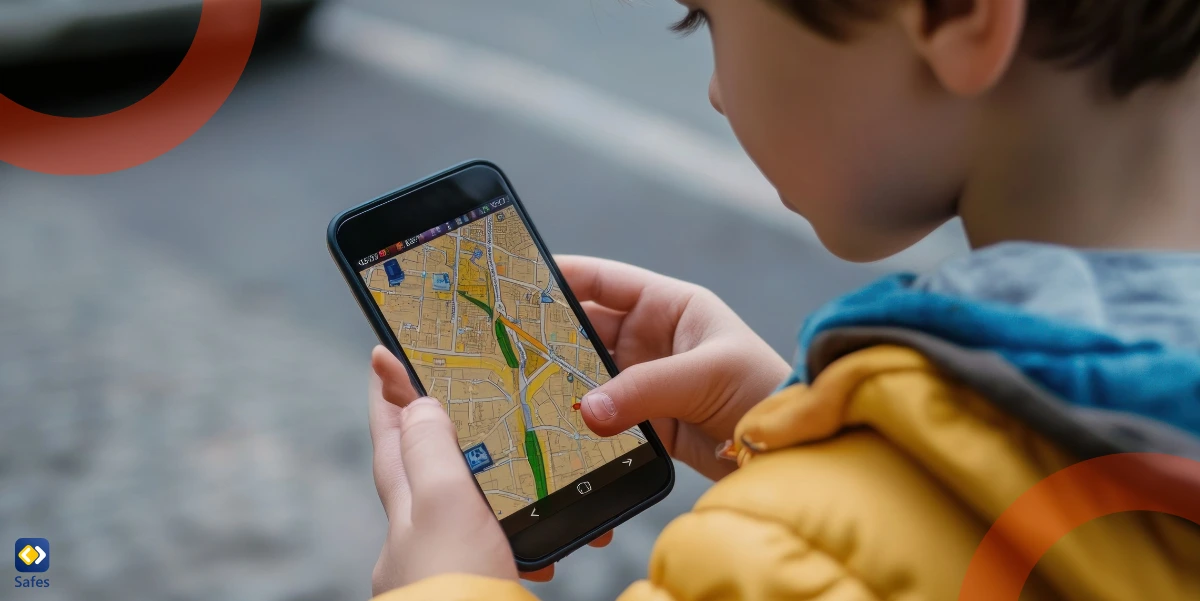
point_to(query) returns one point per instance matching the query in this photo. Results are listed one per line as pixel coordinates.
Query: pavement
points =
(182, 371)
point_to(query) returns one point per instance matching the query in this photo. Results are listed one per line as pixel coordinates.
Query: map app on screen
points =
(490, 334)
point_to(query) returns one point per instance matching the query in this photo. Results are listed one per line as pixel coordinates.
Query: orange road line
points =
(523, 334)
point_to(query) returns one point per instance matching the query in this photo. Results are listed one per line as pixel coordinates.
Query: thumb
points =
(687, 387)
(433, 462)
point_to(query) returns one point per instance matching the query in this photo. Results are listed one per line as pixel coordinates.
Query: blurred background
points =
(182, 371)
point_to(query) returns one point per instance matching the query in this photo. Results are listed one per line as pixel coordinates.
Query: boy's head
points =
(873, 118)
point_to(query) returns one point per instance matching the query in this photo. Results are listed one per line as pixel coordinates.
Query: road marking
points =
(653, 145)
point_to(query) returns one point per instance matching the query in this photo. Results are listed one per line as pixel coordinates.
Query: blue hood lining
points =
(1084, 367)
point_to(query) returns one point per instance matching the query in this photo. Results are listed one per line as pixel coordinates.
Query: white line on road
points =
(653, 145)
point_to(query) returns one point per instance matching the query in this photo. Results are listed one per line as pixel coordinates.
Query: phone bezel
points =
(408, 211)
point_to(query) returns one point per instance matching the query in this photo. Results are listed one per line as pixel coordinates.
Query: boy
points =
(921, 407)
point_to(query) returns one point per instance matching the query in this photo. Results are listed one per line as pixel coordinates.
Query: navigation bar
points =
(590, 483)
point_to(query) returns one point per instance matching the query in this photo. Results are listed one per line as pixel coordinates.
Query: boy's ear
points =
(967, 43)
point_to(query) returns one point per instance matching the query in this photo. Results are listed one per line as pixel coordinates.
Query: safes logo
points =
(31, 555)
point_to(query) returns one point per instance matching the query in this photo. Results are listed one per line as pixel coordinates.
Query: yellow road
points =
(537, 383)
(426, 359)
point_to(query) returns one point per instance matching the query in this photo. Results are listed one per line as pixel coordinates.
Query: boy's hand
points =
(689, 364)
(438, 522)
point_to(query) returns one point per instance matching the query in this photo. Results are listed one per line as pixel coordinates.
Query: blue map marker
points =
(395, 275)
(478, 458)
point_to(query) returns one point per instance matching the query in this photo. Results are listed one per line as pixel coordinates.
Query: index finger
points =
(608, 283)
(386, 465)
(397, 386)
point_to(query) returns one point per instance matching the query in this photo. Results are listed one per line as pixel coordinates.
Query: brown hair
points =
(1143, 41)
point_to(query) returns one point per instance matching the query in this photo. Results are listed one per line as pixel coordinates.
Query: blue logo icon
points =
(31, 555)
(478, 458)
(395, 275)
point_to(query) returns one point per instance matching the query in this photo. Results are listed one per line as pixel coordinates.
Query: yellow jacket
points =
(878, 482)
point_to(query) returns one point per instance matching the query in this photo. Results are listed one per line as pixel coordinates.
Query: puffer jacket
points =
(878, 471)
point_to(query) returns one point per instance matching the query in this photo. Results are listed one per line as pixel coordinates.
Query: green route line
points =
(506, 345)
(478, 303)
(533, 452)
(502, 338)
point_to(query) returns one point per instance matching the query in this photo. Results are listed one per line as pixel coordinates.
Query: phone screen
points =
(489, 332)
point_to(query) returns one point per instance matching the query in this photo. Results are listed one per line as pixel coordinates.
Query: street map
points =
(490, 334)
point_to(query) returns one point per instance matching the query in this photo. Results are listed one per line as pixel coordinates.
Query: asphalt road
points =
(182, 372)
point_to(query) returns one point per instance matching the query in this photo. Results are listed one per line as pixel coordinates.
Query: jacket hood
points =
(1080, 367)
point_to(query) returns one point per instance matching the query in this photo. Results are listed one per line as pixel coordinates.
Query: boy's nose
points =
(714, 94)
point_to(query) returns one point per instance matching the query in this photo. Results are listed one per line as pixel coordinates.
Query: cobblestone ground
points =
(175, 442)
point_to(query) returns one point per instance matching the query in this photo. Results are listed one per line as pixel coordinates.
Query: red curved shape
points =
(1068, 499)
(154, 125)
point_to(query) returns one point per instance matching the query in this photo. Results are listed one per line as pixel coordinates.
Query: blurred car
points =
(68, 29)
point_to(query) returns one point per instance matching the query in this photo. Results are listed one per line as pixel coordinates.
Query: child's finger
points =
(615, 285)
(388, 469)
(606, 321)
(438, 476)
(603, 540)
(682, 386)
(545, 574)
(397, 387)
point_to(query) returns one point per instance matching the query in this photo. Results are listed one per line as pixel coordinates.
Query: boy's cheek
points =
(847, 133)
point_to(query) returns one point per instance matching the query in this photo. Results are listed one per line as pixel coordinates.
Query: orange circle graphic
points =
(1070, 498)
(154, 125)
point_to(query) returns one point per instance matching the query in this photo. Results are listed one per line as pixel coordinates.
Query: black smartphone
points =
(456, 281)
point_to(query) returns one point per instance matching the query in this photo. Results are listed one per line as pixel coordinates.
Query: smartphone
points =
(456, 281)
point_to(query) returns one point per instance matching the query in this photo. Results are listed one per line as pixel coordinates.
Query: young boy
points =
(922, 407)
